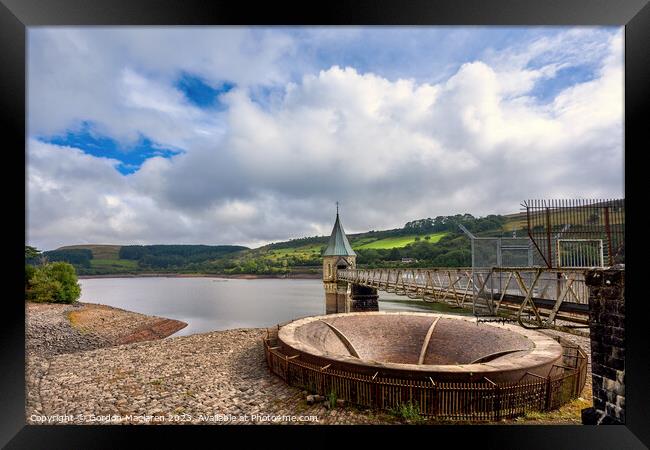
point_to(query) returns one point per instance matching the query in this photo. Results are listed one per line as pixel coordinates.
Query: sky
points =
(249, 135)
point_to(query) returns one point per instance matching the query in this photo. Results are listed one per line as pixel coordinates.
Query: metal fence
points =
(503, 252)
(580, 253)
(579, 220)
(481, 401)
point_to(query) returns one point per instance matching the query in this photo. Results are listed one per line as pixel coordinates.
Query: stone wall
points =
(607, 336)
(363, 298)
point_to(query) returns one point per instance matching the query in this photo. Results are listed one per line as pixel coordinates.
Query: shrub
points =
(408, 411)
(54, 282)
(29, 273)
(331, 399)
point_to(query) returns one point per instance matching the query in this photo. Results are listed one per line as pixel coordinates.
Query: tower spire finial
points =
(337, 208)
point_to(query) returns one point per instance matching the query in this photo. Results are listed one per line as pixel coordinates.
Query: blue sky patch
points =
(131, 157)
(546, 90)
(200, 93)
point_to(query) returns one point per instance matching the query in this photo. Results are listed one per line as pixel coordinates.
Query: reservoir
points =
(208, 304)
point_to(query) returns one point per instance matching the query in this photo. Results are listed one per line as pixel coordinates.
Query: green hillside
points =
(398, 241)
(420, 243)
(115, 265)
(100, 251)
(92, 259)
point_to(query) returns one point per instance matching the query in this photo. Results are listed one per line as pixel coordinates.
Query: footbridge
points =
(538, 280)
(536, 296)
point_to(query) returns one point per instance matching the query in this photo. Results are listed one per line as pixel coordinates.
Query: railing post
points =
(436, 409)
(377, 403)
(609, 237)
(548, 238)
(548, 393)
(497, 401)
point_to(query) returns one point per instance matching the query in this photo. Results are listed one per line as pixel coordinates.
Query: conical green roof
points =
(338, 244)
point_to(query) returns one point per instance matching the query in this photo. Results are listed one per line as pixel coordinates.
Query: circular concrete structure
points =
(426, 346)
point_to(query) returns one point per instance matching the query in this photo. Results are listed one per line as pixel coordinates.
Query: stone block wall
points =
(363, 298)
(607, 336)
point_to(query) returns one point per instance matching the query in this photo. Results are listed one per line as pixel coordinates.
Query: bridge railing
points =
(542, 294)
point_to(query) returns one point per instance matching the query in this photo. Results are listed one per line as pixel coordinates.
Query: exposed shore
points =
(87, 363)
(53, 329)
(117, 373)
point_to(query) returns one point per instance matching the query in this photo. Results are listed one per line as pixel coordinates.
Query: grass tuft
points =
(407, 411)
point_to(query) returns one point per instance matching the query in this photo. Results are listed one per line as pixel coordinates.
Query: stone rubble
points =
(219, 377)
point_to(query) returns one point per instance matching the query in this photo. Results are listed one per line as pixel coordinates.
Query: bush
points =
(331, 399)
(29, 273)
(54, 282)
(407, 411)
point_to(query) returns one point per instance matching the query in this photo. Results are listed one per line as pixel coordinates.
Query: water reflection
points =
(208, 304)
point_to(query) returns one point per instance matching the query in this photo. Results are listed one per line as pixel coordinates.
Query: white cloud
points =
(389, 150)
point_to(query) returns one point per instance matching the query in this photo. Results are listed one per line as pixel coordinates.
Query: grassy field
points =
(99, 251)
(358, 242)
(519, 221)
(304, 252)
(310, 251)
(108, 264)
(396, 242)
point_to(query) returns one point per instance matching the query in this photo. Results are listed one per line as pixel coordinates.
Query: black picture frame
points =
(16, 15)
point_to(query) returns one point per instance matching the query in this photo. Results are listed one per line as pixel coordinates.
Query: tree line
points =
(175, 256)
(450, 223)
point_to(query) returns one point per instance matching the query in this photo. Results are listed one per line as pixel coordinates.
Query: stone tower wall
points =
(607, 336)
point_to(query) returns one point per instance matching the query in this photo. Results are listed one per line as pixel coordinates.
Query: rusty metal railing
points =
(536, 295)
(576, 219)
(481, 401)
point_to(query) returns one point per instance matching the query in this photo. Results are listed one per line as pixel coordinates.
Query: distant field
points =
(520, 221)
(398, 241)
(124, 264)
(304, 252)
(99, 251)
(358, 242)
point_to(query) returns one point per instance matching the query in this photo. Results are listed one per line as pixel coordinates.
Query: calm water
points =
(208, 304)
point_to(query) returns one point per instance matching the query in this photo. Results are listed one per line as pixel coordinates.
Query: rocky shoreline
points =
(218, 377)
(53, 329)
